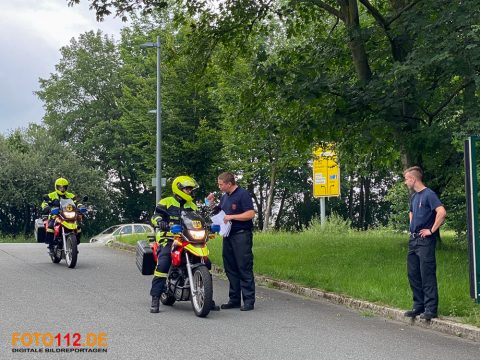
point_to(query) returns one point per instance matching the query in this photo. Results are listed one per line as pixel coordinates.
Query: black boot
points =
(155, 307)
(49, 242)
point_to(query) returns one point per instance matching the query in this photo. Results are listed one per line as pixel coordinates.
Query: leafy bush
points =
(398, 197)
(455, 203)
(334, 224)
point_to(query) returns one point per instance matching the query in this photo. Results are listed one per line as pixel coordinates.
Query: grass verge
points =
(365, 265)
(131, 239)
(369, 265)
(17, 239)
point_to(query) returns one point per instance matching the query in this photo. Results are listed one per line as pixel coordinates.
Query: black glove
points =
(163, 225)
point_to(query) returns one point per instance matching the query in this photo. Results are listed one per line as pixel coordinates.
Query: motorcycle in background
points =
(65, 238)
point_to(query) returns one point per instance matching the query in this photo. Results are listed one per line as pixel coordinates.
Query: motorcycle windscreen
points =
(194, 227)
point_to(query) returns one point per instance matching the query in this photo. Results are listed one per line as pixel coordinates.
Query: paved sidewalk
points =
(442, 325)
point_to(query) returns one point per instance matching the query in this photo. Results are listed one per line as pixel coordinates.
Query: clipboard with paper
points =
(217, 219)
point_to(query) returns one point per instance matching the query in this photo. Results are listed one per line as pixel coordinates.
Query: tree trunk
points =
(349, 9)
(361, 211)
(367, 213)
(271, 191)
(280, 210)
(258, 203)
(27, 219)
(350, 200)
(262, 202)
(470, 102)
(401, 46)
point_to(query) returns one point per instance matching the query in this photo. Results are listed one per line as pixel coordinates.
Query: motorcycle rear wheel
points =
(203, 299)
(71, 252)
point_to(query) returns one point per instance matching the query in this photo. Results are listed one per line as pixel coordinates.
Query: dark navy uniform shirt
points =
(422, 206)
(237, 203)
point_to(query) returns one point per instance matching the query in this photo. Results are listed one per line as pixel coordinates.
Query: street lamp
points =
(159, 121)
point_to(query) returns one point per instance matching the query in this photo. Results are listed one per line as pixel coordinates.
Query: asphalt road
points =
(106, 293)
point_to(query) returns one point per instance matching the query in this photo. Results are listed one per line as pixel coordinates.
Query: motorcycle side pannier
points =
(144, 258)
(39, 231)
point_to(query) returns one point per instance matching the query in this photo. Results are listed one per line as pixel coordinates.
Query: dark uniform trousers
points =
(421, 266)
(238, 264)
(163, 265)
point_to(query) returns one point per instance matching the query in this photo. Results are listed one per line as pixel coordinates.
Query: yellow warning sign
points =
(326, 173)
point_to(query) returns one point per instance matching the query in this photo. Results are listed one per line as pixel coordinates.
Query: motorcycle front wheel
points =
(71, 252)
(203, 298)
(56, 255)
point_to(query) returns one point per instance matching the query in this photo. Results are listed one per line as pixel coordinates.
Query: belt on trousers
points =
(417, 235)
(238, 232)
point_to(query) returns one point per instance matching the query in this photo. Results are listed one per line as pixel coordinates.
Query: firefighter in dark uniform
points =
(61, 186)
(167, 213)
(237, 253)
(427, 214)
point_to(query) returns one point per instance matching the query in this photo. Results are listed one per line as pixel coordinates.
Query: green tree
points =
(400, 76)
(81, 110)
(30, 161)
(190, 121)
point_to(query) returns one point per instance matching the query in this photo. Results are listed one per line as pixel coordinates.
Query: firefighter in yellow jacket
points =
(167, 213)
(61, 186)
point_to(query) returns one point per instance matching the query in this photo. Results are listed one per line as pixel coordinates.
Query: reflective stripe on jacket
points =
(54, 196)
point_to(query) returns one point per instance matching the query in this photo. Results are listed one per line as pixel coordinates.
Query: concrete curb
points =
(442, 325)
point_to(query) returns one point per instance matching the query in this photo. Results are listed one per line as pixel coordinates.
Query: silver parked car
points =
(116, 231)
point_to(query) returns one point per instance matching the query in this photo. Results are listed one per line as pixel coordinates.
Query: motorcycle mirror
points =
(46, 198)
(216, 209)
(175, 229)
(215, 228)
(85, 198)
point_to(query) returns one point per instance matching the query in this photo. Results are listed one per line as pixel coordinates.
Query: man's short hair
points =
(415, 171)
(227, 177)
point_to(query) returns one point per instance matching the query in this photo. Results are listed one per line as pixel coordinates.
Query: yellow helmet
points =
(182, 182)
(61, 186)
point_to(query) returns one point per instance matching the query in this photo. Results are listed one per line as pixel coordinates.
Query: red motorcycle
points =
(188, 277)
(65, 238)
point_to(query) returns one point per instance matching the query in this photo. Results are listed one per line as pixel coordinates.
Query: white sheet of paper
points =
(218, 220)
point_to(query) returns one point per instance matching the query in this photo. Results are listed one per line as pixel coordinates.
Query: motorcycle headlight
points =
(69, 214)
(197, 234)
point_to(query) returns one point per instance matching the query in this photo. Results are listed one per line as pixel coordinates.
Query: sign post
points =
(471, 192)
(326, 176)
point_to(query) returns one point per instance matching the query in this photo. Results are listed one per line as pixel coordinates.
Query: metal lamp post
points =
(158, 181)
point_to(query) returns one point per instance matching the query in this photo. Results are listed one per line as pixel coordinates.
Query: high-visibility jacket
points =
(169, 209)
(54, 196)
